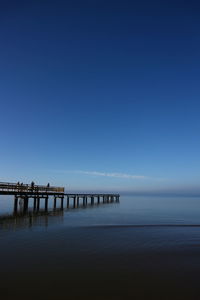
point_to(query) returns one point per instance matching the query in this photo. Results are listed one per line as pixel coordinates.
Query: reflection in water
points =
(30, 218)
(26, 215)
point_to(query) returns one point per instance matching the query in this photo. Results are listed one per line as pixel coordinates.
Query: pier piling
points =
(22, 194)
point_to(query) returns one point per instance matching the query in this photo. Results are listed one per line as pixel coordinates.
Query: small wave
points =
(109, 226)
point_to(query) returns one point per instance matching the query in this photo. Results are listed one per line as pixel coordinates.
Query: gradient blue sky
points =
(101, 95)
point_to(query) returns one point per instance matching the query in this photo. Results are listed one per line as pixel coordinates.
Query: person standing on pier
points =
(48, 185)
(32, 185)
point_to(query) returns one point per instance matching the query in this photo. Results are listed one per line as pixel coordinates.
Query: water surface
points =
(142, 248)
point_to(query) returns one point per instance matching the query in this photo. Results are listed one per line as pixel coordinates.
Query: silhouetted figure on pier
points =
(48, 185)
(18, 185)
(32, 185)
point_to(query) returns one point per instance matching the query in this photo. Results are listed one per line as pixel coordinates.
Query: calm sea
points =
(140, 248)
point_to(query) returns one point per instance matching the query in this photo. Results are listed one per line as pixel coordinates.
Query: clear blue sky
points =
(101, 95)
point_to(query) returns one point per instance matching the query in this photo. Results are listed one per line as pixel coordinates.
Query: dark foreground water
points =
(140, 248)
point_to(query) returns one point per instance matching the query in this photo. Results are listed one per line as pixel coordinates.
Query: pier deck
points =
(24, 192)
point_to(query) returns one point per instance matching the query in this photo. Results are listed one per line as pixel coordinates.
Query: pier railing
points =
(20, 187)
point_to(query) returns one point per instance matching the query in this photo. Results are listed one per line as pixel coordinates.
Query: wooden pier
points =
(24, 192)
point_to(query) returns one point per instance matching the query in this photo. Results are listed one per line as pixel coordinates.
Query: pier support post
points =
(38, 203)
(34, 203)
(74, 204)
(46, 203)
(77, 202)
(25, 204)
(54, 204)
(61, 202)
(16, 204)
(98, 199)
(67, 201)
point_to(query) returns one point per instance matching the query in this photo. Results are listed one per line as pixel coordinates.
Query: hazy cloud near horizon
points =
(109, 174)
(127, 184)
(116, 175)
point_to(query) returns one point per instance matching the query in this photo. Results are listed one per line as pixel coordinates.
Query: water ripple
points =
(105, 226)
